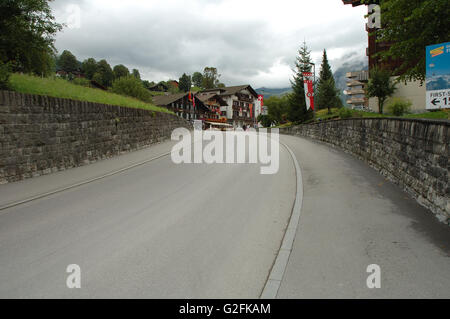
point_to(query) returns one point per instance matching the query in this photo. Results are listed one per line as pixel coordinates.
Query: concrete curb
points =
(273, 283)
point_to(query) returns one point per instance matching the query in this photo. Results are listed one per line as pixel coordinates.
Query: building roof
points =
(230, 90)
(235, 89)
(165, 100)
(205, 96)
(362, 76)
(159, 84)
(356, 3)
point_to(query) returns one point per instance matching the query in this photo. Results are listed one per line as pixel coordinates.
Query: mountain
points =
(268, 92)
(438, 82)
(351, 62)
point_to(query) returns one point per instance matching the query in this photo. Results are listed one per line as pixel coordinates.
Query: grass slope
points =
(442, 115)
(323, 115)
(64, 89)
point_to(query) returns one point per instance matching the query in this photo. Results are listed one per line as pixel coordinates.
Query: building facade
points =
(356, 89)
(185, 105)
(242, 104)
(213, 102)
(413, 91)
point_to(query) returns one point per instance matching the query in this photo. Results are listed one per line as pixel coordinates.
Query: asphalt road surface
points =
(351, 218)
(158, 230)
(161, 230)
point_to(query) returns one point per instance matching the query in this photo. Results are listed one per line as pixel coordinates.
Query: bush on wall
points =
(399, 107)
(131, 86)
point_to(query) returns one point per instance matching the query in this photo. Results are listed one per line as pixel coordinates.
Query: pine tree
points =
(297, 102)
(327, 95)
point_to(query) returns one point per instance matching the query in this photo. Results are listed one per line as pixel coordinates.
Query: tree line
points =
(99, 71)
(209, 79)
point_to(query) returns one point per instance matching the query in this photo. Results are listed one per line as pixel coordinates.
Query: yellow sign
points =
(437, 51)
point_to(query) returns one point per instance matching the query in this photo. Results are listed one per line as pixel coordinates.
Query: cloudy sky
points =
(249, 41)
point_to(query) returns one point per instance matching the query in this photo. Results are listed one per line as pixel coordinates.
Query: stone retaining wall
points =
(412, 153)
(40, 134)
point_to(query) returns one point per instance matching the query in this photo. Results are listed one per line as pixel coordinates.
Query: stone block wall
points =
(41, 134)
(413, 153)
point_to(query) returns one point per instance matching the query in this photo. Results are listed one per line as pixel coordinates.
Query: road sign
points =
(438, 76)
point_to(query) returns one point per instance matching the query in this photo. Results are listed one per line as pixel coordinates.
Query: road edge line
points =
(30, 199)
(17, 203)
(276, 274)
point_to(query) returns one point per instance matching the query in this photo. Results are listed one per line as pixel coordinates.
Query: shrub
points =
(265, 120)
(345, 113)
(131, 86)
(82, 82)
(5, 73)
(398, 107)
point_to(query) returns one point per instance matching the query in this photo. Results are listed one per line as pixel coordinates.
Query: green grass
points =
(156, 93)
(445, 115)
(323, 114)
(195, 89)
(288, 124)
(64, 89)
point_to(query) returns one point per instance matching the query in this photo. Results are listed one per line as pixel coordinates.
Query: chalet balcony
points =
(237, 108)
(242, 98)
(356, 101)
(355, 91)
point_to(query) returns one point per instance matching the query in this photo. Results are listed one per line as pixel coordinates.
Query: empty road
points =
(160, 230)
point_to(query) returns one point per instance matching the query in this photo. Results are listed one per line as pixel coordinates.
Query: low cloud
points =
(253, 42)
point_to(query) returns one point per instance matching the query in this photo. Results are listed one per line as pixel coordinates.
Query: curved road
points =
(158, 230)
(161, 230)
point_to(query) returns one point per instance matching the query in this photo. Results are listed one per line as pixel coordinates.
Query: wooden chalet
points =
(214, 103)
(183, 106)
(159, 87)
(241, 101)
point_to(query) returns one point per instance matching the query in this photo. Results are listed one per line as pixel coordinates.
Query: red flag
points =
(309, 90)
(261, 99)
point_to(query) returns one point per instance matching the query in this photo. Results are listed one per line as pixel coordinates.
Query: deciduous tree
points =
(210, 78)
(68, 62)
(380, 86)
(409, 26)
(89, 68)
(106, 73)
(136, 74)
(197, 79)
(184, 83)
(120, 71)
(27, 31)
